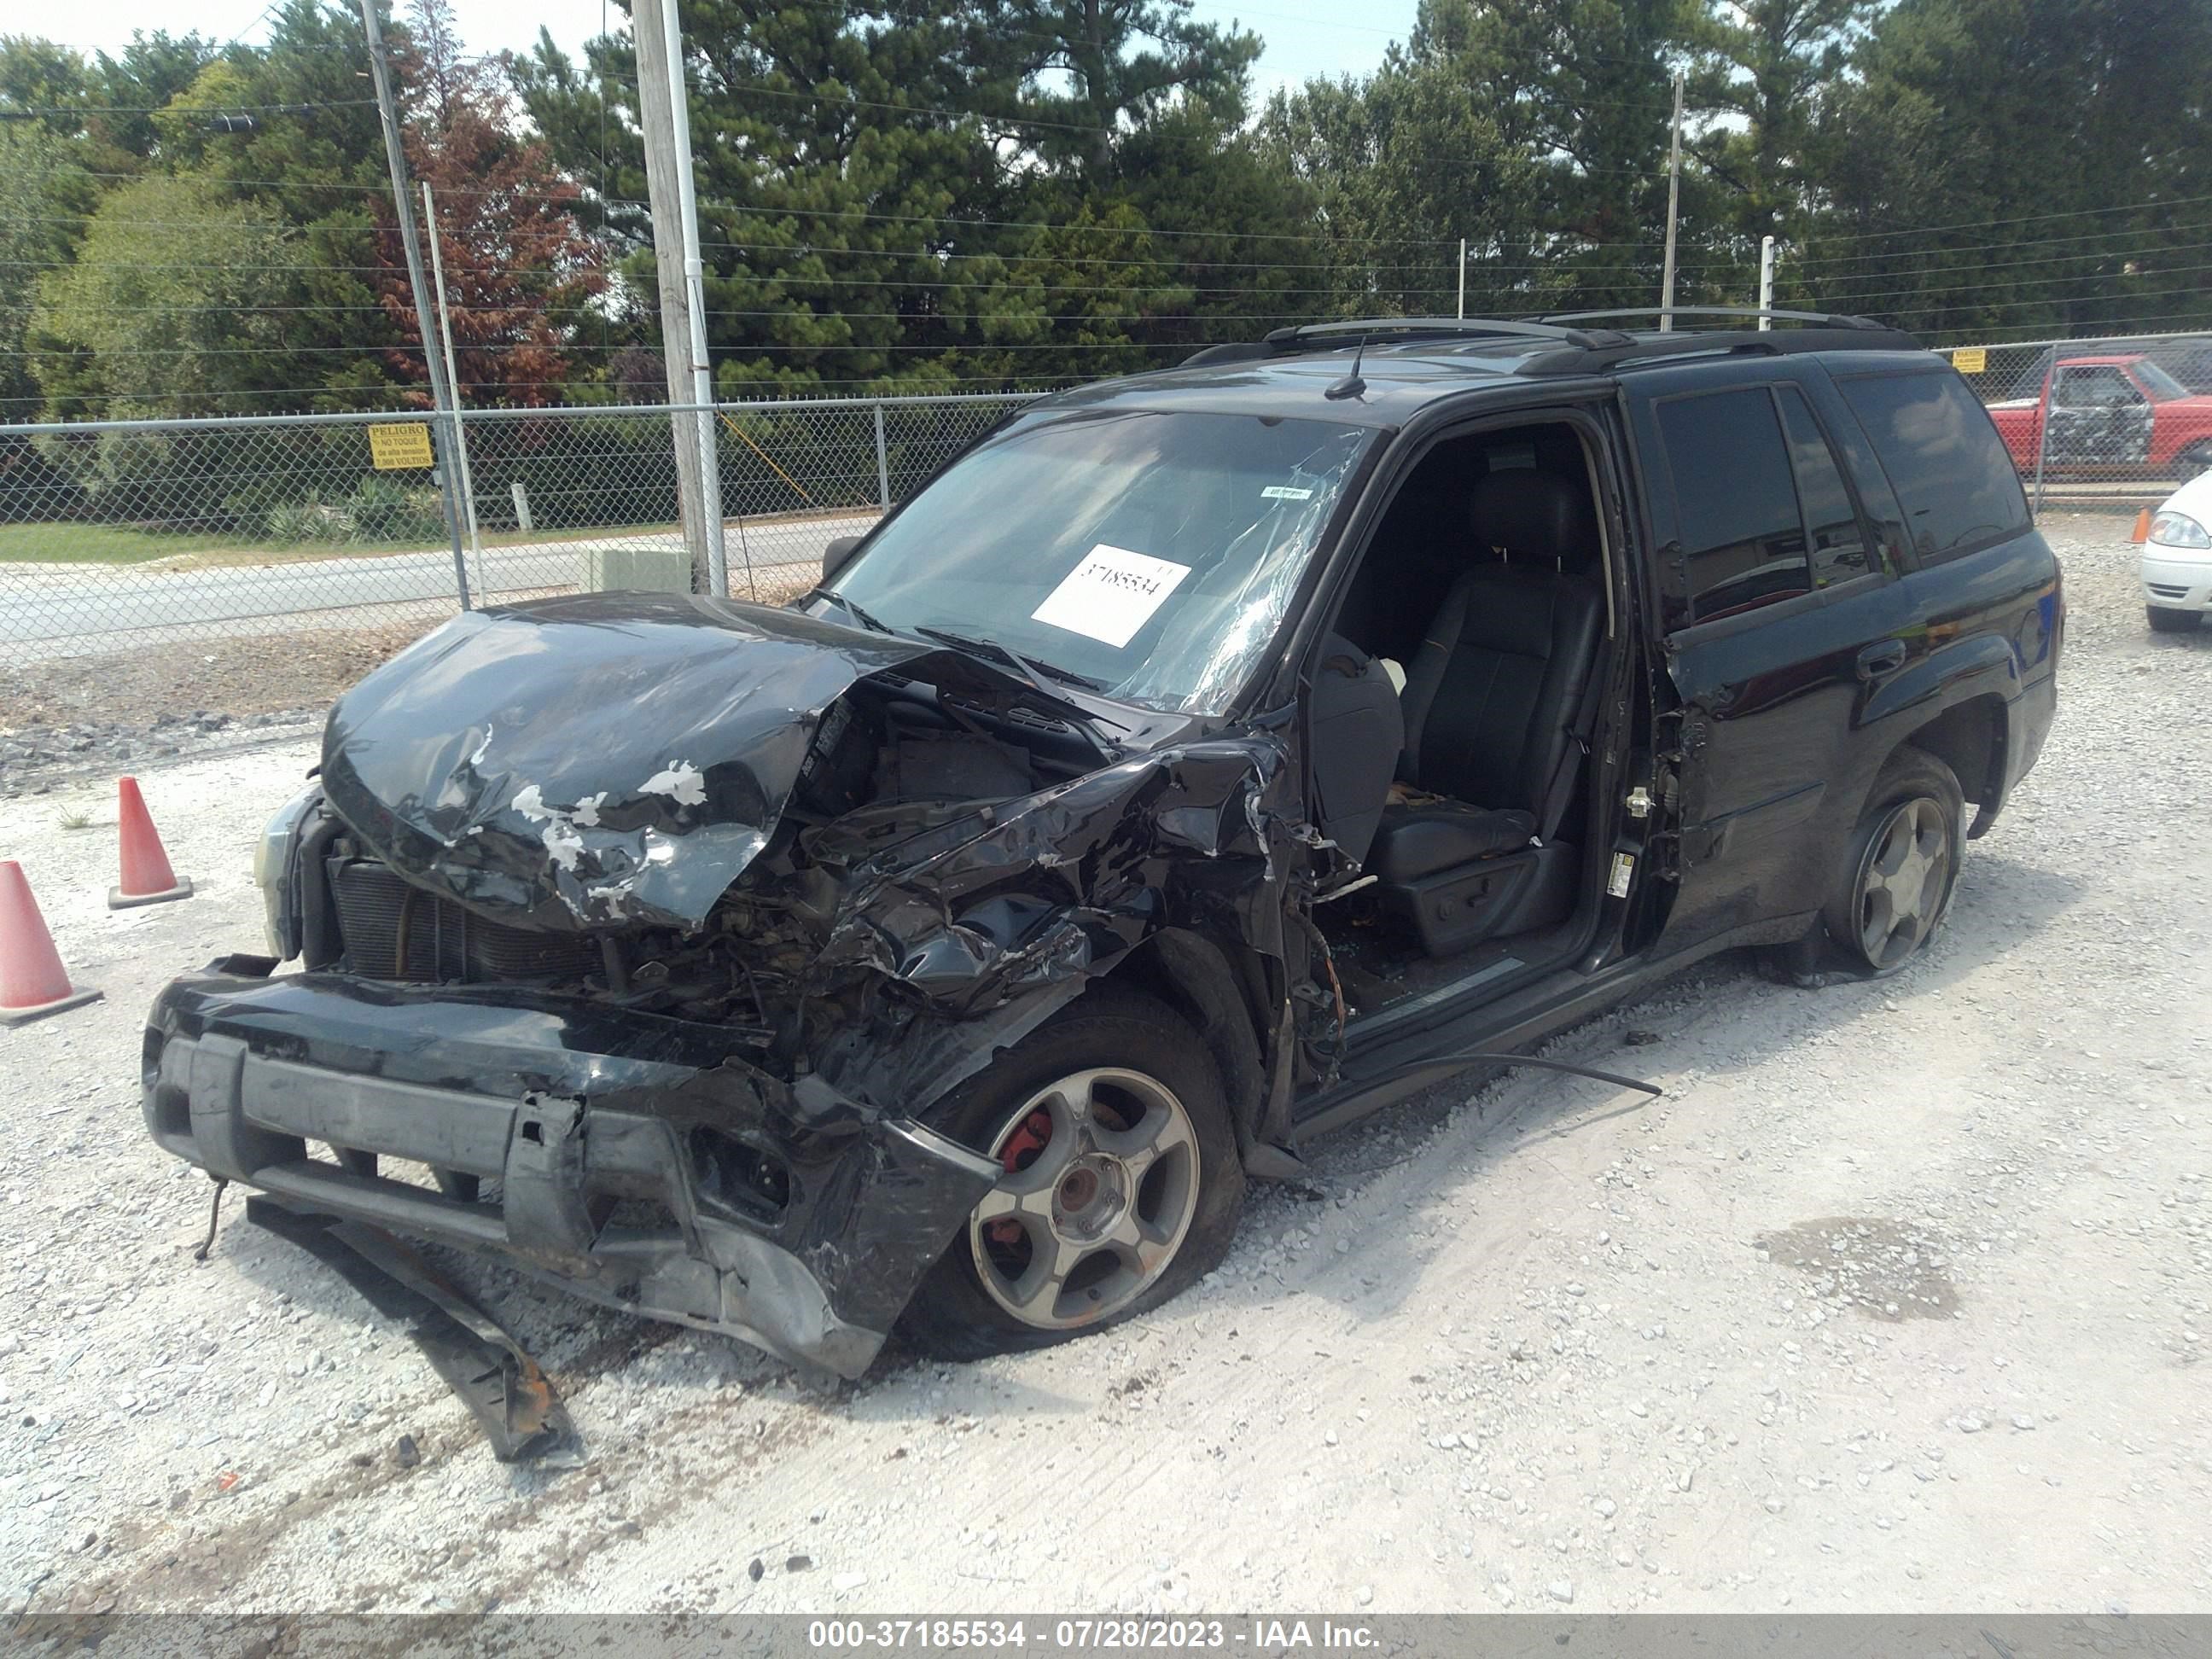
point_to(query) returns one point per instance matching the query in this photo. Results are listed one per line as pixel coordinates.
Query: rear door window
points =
(1943, 458)
(1840, 546)
(1735, 510)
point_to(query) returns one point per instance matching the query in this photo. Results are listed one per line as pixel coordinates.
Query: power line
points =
(23, 112)
(1967, 250)
(2032, 218)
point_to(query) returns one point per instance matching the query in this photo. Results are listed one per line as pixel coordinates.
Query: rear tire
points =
(1901, 864)
(1123, 1181)
(2166, 620)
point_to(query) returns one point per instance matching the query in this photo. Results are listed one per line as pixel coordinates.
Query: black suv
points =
(1199, 761)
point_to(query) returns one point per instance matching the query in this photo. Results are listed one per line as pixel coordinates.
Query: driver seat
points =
(1496, 723)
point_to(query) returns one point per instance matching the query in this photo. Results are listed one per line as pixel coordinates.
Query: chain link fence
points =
(153, 568)
(122, 536)
(2114, 422)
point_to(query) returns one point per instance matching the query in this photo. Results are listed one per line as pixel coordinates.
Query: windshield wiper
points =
(1034, 667)
(1033, 672)
(862, 616)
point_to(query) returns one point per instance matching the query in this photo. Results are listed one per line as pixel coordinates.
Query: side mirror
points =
(836, 556)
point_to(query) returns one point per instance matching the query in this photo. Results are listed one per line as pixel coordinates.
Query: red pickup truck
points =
(2117, 415)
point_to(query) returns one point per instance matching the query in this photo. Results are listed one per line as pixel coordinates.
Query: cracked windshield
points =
(1151, 554)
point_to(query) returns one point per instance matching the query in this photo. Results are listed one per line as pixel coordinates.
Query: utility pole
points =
(1462, 277)
(441, 392)
(1674, 207)
(664, 114)
(452, 379)
(1765, 280)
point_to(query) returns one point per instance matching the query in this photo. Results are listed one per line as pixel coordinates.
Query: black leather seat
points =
(1493, 696)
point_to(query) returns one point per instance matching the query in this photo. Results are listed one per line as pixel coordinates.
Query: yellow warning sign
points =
(1971, 360)
(397, 447)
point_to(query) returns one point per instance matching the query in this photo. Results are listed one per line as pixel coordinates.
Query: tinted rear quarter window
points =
(1832, 523)
(1943, 458)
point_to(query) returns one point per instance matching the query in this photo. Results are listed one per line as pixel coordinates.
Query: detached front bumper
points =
(629, 1158)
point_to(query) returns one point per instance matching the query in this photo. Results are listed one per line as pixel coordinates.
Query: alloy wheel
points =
(1903, 881)
(1102, 1182)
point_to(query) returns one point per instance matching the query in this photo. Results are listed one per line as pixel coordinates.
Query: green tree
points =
(1099, 301)
(42, 192)
(2019, 165)
(1401, 165)
(313, 163)
(837, 180)
(168, 308)
(1072, 77)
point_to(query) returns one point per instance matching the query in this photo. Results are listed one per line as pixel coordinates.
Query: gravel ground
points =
(1897, 1301)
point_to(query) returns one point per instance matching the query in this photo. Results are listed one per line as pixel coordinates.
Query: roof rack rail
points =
(1467, 327)
(1826, 318)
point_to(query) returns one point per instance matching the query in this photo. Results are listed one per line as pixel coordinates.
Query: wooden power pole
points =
(1673, 206)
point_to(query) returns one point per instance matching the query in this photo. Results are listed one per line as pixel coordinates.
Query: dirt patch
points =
(86, 716)
(194, 679)
(1888, 1270)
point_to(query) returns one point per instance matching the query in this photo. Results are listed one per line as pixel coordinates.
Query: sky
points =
(1304, 38)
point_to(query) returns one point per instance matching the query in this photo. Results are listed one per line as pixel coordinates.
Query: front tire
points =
(1901, 864)
(2164, 620)
(1123, 1184)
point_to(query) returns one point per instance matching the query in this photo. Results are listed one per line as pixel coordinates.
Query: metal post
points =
(1766, 279)
(1674, 204)
(883, 463)
(656, 127)
(2051, 374)
(1462, 277)
(453, 380)
(695, 282)
(440, 393)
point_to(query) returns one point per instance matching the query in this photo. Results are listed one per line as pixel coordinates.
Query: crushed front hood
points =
(604, 759)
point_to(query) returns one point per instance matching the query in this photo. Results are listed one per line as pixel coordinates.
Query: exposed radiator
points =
(445, 943)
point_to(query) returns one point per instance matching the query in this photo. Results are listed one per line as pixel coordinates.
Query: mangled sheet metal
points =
(606, 763)
(600, 761)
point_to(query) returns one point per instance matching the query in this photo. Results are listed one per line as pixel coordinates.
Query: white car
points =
(2177, 560)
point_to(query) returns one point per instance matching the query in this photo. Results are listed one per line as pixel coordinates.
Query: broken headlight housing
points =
(275, 858)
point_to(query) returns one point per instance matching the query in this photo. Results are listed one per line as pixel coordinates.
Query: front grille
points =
(2166, 592)
(445, 943)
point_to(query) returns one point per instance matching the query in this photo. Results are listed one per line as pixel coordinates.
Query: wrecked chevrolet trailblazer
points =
(1199, 761)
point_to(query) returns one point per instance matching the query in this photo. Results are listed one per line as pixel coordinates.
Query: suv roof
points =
(1404, 362)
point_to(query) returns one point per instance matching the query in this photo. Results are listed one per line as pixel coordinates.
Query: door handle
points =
(1886, 658)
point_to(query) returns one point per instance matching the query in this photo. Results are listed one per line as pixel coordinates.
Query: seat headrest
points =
(1532, 518)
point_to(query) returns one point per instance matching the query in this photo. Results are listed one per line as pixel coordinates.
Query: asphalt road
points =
(58, 611)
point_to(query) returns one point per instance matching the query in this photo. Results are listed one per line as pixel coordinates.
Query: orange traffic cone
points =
(2141, 532)
(147, 878)
(32, 981)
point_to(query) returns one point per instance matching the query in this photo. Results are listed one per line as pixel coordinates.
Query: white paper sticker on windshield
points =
(1285, 493)
(1110, 594)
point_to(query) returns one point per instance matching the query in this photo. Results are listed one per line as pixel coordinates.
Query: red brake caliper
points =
(1033, 1135)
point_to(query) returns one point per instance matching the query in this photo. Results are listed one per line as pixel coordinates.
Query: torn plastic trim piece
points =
(504, 1388)
(1472, 1057)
